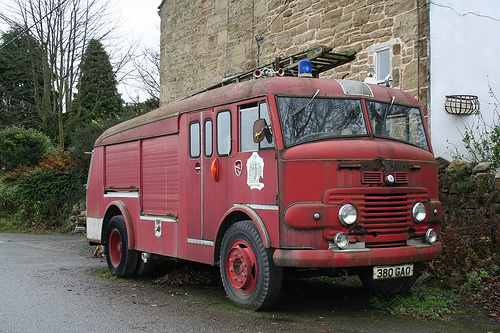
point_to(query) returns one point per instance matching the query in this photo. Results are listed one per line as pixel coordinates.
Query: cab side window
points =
(248, 115)
(208, 138)
(194, 140)
(224, 133)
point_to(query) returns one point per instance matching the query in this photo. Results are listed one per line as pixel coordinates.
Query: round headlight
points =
(418, 212)
(348, 215)
(341, 240)
(431, 236)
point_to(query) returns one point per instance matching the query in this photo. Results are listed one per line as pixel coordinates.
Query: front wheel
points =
(122, 261)
(392, 286)
(249, 275)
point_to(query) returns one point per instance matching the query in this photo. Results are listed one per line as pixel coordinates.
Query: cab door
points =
(217, 168)
(246, 171)
(194, 173)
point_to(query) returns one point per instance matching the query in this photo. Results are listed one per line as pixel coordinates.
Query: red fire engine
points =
(273, 172)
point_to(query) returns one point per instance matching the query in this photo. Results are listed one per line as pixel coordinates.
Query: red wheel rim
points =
(241, 267)
(115, 247)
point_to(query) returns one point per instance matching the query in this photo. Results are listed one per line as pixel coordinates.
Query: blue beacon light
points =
(305, 68)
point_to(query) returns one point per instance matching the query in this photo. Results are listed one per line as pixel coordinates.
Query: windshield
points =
(397, 122)
(311, 118)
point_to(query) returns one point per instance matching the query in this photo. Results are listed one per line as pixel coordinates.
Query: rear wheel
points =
(392, 286)
(121, 260)
(249, 275)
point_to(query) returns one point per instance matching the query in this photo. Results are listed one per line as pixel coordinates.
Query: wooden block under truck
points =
(277, 171)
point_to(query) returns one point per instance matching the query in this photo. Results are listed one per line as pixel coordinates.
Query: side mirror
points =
(259, 130)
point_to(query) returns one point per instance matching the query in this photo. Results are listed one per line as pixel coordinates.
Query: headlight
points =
(341, 240)
(348, 215)
(418, 212)
(431, 236)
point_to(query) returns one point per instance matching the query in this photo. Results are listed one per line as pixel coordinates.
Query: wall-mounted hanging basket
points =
(461, 104)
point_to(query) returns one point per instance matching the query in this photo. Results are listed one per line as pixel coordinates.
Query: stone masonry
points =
(203, 41)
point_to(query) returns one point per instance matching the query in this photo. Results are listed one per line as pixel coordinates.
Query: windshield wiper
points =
(305, 106)
(389, 108)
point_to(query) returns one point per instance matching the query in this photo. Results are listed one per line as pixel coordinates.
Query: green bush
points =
(9, 199)
(46, 196)
(43, 197)
(19, 146)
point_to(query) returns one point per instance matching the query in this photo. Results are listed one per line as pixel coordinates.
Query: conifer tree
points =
(98, 96)
(20, 80)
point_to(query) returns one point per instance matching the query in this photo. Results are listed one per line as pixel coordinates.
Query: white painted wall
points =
(464, 59)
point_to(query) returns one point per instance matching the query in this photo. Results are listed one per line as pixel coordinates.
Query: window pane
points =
(247, 117)
(194, 140)
(208, 138)
(224, 133)
(305, 119)
(398, 122)
(383, 64)
(264, 114)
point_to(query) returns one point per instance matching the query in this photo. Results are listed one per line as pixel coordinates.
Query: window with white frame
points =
(383, 66)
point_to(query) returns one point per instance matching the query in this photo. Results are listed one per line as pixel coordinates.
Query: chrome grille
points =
(388, 211)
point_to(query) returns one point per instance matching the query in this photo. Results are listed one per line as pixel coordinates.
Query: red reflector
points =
(215, 170)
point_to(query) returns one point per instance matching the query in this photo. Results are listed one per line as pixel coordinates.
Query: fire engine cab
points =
(283, 169)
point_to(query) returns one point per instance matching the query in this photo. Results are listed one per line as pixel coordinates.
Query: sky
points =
(140, 23)
(141, 16)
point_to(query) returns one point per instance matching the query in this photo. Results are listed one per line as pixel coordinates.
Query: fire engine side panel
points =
(122, 180)
(95, 204)
(122, 165)
(184, 190)
(160, 179)
(260, 195)
(156, 229)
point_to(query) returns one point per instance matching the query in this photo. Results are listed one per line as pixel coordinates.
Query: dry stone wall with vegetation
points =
(470, 232)
(469, 189)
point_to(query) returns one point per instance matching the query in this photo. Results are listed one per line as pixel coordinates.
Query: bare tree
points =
(63, 29)
(147, 67)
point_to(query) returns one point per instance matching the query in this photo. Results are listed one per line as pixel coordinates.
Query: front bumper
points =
(354, 258)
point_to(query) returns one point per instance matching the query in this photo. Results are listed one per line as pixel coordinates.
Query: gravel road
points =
(52, 283)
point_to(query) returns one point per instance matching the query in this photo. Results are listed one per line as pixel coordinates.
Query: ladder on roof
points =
(322, 59)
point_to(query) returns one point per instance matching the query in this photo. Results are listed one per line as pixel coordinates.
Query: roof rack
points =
(322, 59)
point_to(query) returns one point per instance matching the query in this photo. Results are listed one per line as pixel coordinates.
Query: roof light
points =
(305, 68)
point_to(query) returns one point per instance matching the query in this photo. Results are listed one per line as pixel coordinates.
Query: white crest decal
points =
(255, 171)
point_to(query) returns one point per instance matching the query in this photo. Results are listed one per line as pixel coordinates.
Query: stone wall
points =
(203, 41)
(469, 190)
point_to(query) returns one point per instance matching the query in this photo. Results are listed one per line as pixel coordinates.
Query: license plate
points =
(392, 272)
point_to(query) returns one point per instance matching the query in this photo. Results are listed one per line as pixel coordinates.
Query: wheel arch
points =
(114, 208)
(240, 213)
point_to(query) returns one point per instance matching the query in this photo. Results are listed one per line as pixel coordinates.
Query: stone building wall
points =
(203, 41)
(470, 190)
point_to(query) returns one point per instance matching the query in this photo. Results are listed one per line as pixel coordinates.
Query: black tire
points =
(122, 261)
(390, 287)
(249, 275)
(144, 269)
